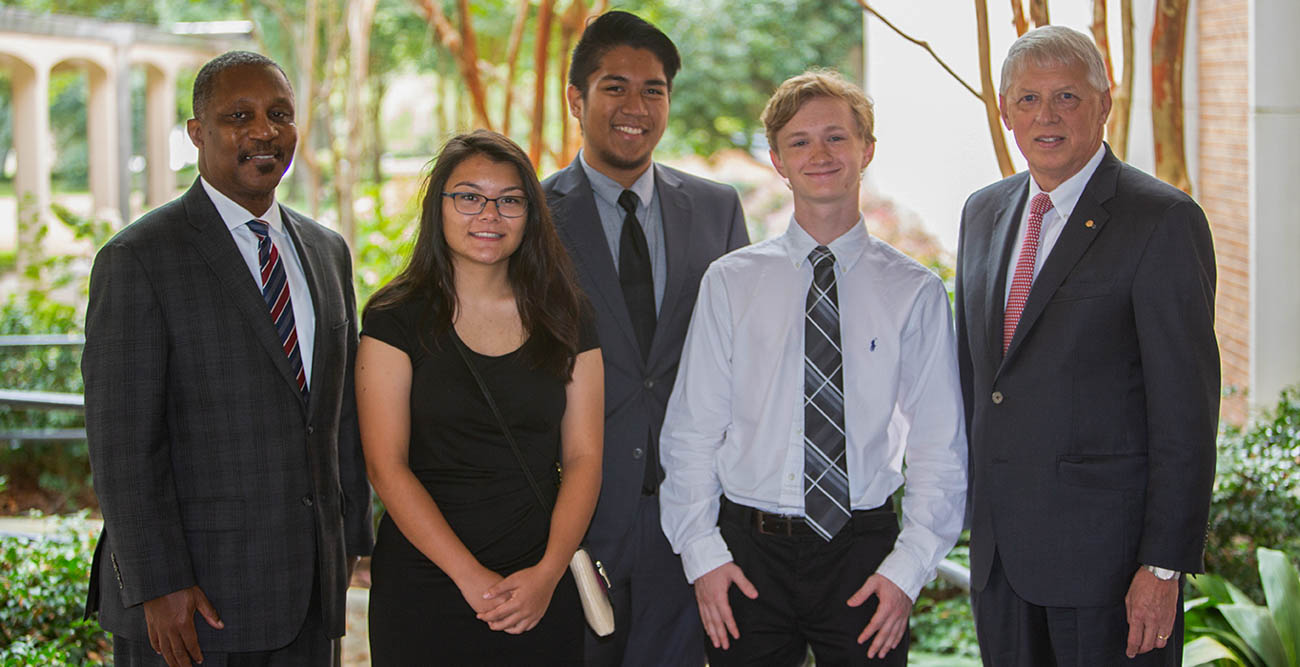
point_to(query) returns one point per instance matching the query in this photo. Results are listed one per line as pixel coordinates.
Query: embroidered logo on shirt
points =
(873, 344)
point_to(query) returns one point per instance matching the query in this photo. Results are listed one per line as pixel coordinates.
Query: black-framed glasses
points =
(473, 203)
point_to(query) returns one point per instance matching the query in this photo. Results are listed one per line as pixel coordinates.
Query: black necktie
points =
(634, 274)
(825, 476)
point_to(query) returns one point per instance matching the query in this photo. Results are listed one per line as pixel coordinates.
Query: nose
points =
(262, 128)
(1046, 113)
(634, 105)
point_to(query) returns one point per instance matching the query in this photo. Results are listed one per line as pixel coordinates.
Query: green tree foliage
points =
(42, 596)
(1256, 494)
(734, 55)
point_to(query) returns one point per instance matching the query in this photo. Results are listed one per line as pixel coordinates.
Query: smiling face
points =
(623, 113)
(1058, 120)
(487, 237)
(822, 153)
(247, 135)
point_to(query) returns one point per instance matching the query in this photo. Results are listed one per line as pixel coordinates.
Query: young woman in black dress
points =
(468, 567)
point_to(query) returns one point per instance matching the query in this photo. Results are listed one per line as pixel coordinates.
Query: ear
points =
(776, 162)
(868, 152)
(575, 101)
(1002, 109)
(1105, 106)
(195, 130)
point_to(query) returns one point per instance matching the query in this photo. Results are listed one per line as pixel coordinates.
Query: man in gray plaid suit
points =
(220, 338)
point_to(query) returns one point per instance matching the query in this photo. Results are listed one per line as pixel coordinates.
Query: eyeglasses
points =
(473, 203)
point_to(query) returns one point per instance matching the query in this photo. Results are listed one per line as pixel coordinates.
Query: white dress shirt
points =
(734, 424)
(236, 218)
(1064, 198)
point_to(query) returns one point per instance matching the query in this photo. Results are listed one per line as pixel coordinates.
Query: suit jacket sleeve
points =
(738, 234)
(124, 367)
(358, 525)
(1173, 309)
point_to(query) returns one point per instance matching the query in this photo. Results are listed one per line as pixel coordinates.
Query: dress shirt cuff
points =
(705, 555)
(904, 571)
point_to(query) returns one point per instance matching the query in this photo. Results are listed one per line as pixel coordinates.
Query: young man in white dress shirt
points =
(817, 365)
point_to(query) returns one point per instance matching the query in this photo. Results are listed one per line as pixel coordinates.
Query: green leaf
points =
(1255, 625)
(1205, 650)
(1282, 590)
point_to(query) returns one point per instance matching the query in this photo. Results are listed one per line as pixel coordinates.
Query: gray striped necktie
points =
(826, 479)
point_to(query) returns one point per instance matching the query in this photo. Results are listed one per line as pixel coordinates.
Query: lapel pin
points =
(1089, 224)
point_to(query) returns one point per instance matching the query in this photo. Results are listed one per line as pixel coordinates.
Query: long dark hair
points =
(540, 273)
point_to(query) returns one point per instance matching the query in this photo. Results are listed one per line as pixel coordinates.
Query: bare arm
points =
(383, 389)
(527, 593)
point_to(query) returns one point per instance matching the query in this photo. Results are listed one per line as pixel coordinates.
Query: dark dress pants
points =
(1016, 633)
(804, 583)
(656, 618)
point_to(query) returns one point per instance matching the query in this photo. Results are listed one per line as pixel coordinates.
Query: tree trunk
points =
(545, 12)
(1038, 13)
(1167, 38)
(989, 93)
(360, 18)
(1121, 110)
(1018, 18)
(374, 128)
(463, 46)
(512, 60)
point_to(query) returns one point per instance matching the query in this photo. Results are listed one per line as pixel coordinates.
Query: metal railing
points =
(24, 399)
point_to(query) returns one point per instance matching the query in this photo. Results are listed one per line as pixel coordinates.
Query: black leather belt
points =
(784, 525)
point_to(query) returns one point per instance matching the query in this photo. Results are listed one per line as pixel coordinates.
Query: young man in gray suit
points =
(1090, 372)
(641, 235)
(220, 416)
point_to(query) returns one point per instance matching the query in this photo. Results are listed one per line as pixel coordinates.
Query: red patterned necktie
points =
(275, 290)
(1024, 275)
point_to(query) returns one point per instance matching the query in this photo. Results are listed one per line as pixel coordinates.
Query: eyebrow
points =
(619, 78)
(476, 186)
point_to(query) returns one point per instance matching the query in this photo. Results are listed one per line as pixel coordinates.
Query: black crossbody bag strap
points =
(519, 455)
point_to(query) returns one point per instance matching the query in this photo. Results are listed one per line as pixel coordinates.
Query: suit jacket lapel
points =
(576, 206)
(675, 209)
(1073, 242)
(1002, 242)
(214, 244)
(309, 256)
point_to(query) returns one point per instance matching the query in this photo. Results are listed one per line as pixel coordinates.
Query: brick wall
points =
(1223, 30)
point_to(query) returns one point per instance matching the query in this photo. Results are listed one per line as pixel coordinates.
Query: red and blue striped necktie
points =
(275, 290)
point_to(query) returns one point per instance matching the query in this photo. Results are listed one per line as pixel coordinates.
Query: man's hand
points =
(715, 611)
(171, 625)
(890, 619)
(1152, 605)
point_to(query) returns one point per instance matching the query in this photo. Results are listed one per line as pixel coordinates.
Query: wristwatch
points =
(1161, 573)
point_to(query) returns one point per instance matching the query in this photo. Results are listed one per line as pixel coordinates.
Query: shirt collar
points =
(236, 216)
(608, 189)
(1066, 195)
(847, 248)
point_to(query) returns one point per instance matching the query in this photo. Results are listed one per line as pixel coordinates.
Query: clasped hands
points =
(513, 604)
(887, 624)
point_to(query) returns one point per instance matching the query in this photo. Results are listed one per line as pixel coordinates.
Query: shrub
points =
(42, 598)
(1256, 494)
(942, 622)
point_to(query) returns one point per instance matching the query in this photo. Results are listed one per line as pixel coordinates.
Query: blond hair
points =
(795, 92)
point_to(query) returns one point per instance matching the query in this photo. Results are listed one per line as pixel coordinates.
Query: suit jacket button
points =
(637, 453)
(310, 429)
(306, 500)
(649, 384)
(997, 398)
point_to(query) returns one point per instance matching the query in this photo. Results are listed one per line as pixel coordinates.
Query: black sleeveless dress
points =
(459, 454)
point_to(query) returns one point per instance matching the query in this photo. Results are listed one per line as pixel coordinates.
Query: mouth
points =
(630, 130)
(491, 236)
(822, 174)
(261, 157)
(1049, 141)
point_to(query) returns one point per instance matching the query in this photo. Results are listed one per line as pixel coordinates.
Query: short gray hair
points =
(1050, 46)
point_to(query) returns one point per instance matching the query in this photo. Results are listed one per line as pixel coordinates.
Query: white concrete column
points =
(102, 140)
(159, 118)
(1274, 217)
(31, 130)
